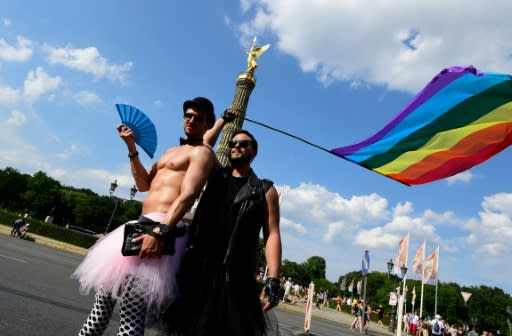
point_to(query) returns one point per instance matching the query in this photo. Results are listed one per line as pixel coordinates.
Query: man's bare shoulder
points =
(203, 150)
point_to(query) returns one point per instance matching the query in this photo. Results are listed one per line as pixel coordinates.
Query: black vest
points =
(233, 243)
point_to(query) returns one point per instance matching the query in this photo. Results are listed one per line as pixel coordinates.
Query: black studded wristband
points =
(227, 116)
(133, 155)
(272, 287)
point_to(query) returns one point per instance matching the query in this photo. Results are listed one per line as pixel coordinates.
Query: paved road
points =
(37, 297)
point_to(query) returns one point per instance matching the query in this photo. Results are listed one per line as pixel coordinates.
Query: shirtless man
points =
(173, 183)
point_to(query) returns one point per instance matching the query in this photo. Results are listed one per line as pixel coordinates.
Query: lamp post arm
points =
(116, 204)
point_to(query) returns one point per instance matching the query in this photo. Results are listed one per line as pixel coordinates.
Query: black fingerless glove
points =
(228, 117)
(272, 287)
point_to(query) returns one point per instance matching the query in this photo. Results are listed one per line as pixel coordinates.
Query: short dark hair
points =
(254, 142)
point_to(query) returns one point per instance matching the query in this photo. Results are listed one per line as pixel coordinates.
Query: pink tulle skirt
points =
(106, 270)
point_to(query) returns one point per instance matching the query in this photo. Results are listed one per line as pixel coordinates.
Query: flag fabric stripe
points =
(451, 165)
(446, 99)
(444, 141)
(445, 78)
(443, 116)
(464, 113)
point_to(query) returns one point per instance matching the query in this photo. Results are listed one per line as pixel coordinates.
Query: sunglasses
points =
(241, 143)
(193, 117)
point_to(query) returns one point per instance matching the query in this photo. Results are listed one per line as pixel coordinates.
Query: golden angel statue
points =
(254, 53)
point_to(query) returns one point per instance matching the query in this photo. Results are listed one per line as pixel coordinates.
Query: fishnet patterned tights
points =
(132, 313)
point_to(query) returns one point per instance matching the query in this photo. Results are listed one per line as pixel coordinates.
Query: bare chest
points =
(176, 159)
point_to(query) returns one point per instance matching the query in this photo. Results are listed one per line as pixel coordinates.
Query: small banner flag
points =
(431, 267)
(365, 263)
(351, 286)
(343, 285)
(403, 251)
(419, 260)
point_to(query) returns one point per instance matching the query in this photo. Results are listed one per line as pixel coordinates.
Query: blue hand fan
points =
(143, 129)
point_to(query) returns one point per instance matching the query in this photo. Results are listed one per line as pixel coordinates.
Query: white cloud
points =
(68, 152)
(296, 227)
(399, 44)
(245, 5)
(376, 238)
(491, 233)
(19, 53)
(17, 118)
(314, 203)
(38, 83)
(88, 60)
(6, 22)
(464, 177)
(402, 209)
(9, 96)
(17, 152)
(87, 98)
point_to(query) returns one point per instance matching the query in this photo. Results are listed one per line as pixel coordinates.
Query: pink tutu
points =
(106, 270)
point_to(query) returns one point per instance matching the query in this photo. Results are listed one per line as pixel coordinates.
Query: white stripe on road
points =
(13, 258)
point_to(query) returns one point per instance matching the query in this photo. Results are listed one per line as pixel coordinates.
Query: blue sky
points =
(336, 72)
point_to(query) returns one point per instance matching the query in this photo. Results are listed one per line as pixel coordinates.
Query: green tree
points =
(487, 308)
(12, 185)
(315, 267)
(42, 195)
(291, 269)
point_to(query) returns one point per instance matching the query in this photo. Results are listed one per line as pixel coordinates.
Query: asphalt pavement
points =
(327, 314)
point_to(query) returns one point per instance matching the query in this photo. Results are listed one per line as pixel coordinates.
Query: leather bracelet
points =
(133, 155)
(154, 234)
(272, 288)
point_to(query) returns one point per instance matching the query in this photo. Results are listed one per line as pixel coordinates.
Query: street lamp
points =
(396, 278)
(133, 191)
(113, 187)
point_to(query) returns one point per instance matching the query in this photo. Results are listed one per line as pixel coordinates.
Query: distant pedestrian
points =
(338, 302)
(380, 315)
(18, 223)
(22, 232)
(366, 316)
(287, 289)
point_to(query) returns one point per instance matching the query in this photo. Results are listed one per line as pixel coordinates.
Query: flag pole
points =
(421, 300)
(413, 299)
(437, 279)
(422, 277)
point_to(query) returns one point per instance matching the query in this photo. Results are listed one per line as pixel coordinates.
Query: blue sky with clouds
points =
(336, 72)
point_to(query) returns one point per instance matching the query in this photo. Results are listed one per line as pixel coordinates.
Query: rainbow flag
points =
(460, 119)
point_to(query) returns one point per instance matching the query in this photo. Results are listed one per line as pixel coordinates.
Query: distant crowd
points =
(413, 325)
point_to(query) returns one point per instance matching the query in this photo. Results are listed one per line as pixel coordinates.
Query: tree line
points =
(40, 196)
